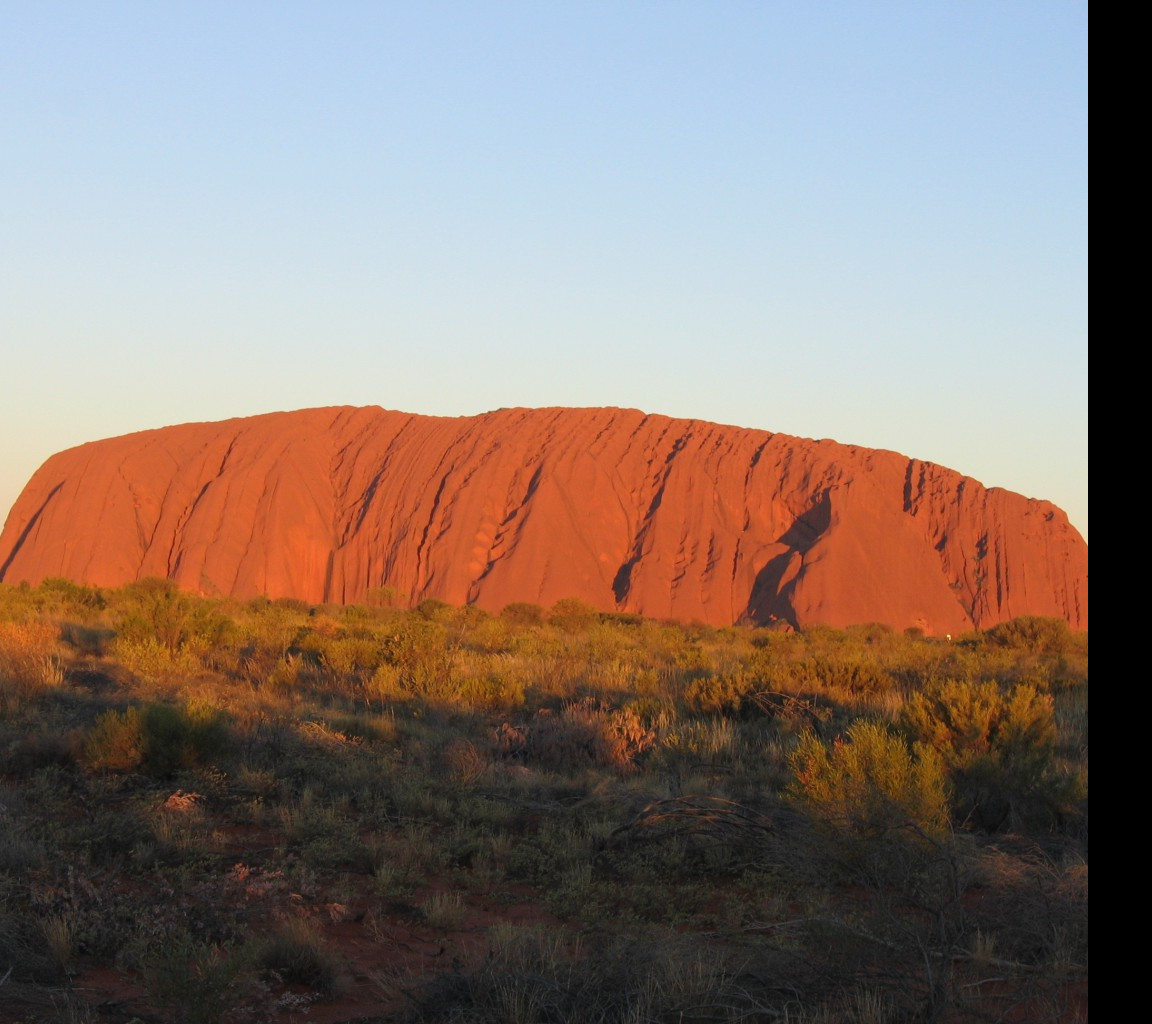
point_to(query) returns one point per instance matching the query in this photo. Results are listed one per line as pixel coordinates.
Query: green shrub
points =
(719, 695)
(493, 692)
(849, 672)
(66, 596)
(535, 975)
(91, 641)
(522, 613)
(148, 657)
(381, 597)
(871, 782)
(116, 742)
(298, 953)
(999, 746)
(351, 656)
(196, 982)
(157, 611)
(585, 734)
(434, 610)
(573, 615)
(1033, 633)
(158, 739)
(182, 738)
(40, 748)
(420, 651)
(25, 953)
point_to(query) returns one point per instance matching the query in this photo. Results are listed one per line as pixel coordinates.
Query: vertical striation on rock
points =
(626, 511)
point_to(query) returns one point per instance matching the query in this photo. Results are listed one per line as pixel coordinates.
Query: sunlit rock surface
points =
(625, 511)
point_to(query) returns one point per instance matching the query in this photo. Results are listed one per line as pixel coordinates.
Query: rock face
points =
(625, 511)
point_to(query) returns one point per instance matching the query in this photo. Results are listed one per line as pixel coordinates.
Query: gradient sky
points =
(859, 220)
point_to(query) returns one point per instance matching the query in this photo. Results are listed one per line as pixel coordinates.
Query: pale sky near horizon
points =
(858, 220)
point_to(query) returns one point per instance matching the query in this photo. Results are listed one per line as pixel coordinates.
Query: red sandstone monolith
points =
(625, 511)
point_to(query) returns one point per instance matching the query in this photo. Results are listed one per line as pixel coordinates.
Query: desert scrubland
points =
(253, 810)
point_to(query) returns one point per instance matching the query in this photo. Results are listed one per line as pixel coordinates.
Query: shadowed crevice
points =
(27, 530)
(771, 597)
(622, 583)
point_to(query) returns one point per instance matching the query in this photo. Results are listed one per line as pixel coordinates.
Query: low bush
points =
(522, 613)
(296, 952)
(157, 610)
(532, 975)
(157, 739)
(669, 794)
(719, 695)
(29, 662)
(844, 672)
(999, 747)
(493, 691)
(585, 734)
(1033, 633)
(870, 783)
(195, 982)
(572, 615)
(36, 750)
(90, 641)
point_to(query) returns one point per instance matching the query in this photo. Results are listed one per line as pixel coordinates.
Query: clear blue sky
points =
(860, 220)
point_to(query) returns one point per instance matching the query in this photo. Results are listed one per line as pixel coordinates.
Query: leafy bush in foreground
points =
(871, 782)
(397, 780)
(998, 744)
(157, 739)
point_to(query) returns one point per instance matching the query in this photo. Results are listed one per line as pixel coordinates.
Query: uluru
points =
(629, 512)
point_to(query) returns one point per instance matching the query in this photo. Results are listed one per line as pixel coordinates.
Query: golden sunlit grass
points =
(30, 661)
(214, 795)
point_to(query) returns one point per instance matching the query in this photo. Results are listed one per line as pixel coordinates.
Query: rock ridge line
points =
(672, 518)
